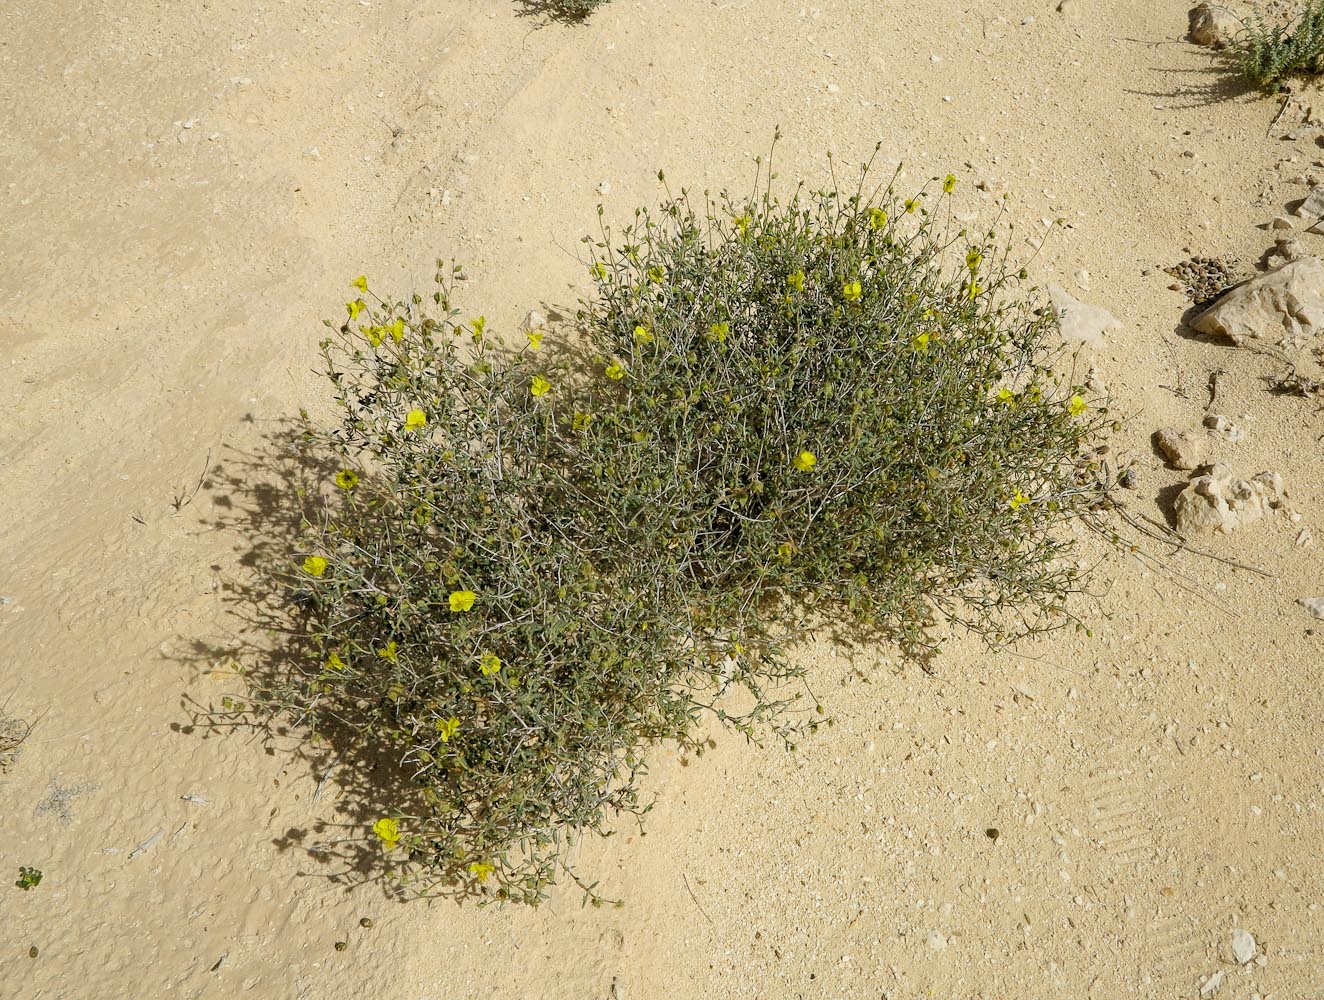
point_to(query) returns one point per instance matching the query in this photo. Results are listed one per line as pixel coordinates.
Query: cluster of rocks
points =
(1203, 278)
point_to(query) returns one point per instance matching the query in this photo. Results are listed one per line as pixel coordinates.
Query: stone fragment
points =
(1314, 605)
(1212, 26)
(1181, 448)
(1243, 945)
(1313, 205)
(1210, 986)
(1281, 222)
(1283, 303)
(1078, 322)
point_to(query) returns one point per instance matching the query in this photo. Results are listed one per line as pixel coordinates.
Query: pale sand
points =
(162, 288)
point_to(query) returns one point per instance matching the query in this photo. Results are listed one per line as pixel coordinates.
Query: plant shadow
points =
(264, 496)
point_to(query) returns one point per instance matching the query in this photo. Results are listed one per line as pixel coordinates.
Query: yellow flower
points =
(742, 223)
(389, 832)
(334, 662)
(796, 281)
(389, 651)
(479, 325)
(920, 343)
(1018, 500)
(598, 270)
(719, 331)
(539, 386)
(642, 335)
(580, 421)
(446, 728)
(415, 420)
(877, 218)
(974, 289)
(657, 273)
(355, 307)
(374, 334)
(347, 479)
(615, 371)
(398, 330)
(462, 600)
(535, 338)
(489, 664)
(1006, 397)
(361, 283)
(315, 565)
(784, 551)
(1077, 406)
(911, 205)
(949, 184)
(480, 871)
(805, 461)
(851, 290)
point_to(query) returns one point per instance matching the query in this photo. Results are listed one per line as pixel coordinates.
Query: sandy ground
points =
(186, 189)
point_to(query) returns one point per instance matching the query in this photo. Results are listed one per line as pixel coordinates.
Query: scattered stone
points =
(1288, 248)
(1069, 7)
(1079, 322)
(937, 940)
(535, 320)
(1212, 26)
(1128, 479)
(1304, 537)
(1313, 205)
(1282, 303)
(1181, 448)
(1210, 986)
(1222, 425)
(1218, 501)
(1243, 945)
(1314, 605)
(1281, 222)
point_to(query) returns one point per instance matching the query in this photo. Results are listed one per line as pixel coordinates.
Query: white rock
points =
(1210, 986)
(535, 320)
(1315, 605)
(1243, 945)
(1313, 206)
(1282, 303)
(1079, 322)
(1219, 501)
(937, 940)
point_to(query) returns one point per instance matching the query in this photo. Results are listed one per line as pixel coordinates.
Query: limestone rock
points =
(1284, 303)
(1212, 26)
(1181, 448)
(1243, 945)
(1218, 501)
(1079, 322)
(1313, 206)
(1314, 605)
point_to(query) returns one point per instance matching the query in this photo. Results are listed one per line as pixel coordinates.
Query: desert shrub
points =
(563, 10)
(534, 562)
(1267, 53)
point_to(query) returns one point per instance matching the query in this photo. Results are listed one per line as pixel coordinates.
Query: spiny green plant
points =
(1267, 53)
(535, 562)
